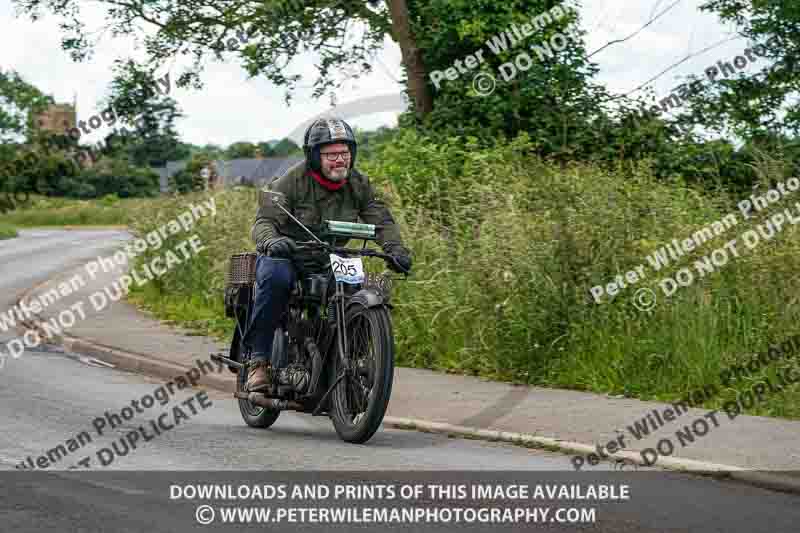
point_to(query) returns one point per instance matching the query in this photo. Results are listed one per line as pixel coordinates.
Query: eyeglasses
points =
(333, 156)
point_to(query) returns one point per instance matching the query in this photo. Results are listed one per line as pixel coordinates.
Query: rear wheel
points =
(255, 415)
(359, 400)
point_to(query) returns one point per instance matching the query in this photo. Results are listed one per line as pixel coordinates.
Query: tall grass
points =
(191, 294)
(7, 231)
(506, 250)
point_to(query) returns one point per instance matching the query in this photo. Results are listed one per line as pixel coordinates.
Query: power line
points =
(602, 23)
(688, 56)
(634, 34)
(658, 3)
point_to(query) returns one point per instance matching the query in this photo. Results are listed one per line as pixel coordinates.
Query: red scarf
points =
(328, 184)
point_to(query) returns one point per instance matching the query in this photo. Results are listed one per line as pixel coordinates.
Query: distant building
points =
(57, 118)
(167, 171)
(252, 172)
(232, 173)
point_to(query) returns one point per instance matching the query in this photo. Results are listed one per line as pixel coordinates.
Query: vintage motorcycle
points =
(335, 344)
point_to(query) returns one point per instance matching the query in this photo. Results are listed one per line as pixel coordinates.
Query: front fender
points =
(368, 298)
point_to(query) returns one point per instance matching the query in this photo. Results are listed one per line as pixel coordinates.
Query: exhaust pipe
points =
(257, 398)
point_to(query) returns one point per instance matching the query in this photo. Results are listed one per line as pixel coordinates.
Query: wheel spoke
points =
(364, 356)
(359, 406)
(354, 398)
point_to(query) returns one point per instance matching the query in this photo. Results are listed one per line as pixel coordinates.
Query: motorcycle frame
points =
(340, 298)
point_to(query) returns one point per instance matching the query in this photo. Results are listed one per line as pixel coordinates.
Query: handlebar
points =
(363, 252)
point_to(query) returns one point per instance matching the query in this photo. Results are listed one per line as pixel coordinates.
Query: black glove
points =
(402, 261)
(281, 247)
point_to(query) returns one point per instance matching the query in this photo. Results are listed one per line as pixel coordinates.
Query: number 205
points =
(341, 268)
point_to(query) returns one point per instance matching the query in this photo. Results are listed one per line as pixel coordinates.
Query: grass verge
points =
(47, 211)
(7, 231)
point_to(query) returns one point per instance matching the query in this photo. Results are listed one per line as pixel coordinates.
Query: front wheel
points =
(360, 398)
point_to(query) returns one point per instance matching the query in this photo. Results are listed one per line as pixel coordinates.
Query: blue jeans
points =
(275, 279)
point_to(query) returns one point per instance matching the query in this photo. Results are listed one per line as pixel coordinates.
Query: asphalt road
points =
(49, 398)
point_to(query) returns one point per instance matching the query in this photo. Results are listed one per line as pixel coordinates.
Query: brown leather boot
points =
(259, 376)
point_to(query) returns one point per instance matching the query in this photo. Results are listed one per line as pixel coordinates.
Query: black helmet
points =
(328, 131)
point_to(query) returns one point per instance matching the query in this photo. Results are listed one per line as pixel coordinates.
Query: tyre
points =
(254, 415)
(359, 401)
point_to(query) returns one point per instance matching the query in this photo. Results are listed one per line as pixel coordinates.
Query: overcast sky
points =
(233, 108)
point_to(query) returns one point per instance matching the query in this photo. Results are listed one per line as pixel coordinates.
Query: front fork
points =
(341, 325)
(348, 363)
(341, 341)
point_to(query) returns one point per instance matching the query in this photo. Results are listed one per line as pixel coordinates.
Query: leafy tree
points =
(155, 138)
(44, 172)
(241, 150)
(191, 178)
(755, 107)
(549, 93)
(286, 148)
(266, 34)
(19, 101)
(553, 98)
(265, 148)
(146, 130)
(369, 141)
(213, 151)
(756, 101)
(118, 177)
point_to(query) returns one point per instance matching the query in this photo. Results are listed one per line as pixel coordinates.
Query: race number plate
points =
(348, 269)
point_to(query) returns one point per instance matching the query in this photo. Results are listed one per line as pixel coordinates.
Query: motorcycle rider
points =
(325, 186)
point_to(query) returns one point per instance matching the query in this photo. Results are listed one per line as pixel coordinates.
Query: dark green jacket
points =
(311, 203)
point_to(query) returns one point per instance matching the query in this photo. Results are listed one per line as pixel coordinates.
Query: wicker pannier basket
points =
(241, 270)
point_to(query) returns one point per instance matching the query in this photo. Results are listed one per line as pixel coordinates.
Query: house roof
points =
(277, 166)
(234, 168)
(256, 172)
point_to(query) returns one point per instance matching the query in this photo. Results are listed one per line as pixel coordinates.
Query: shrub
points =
(117, 177)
